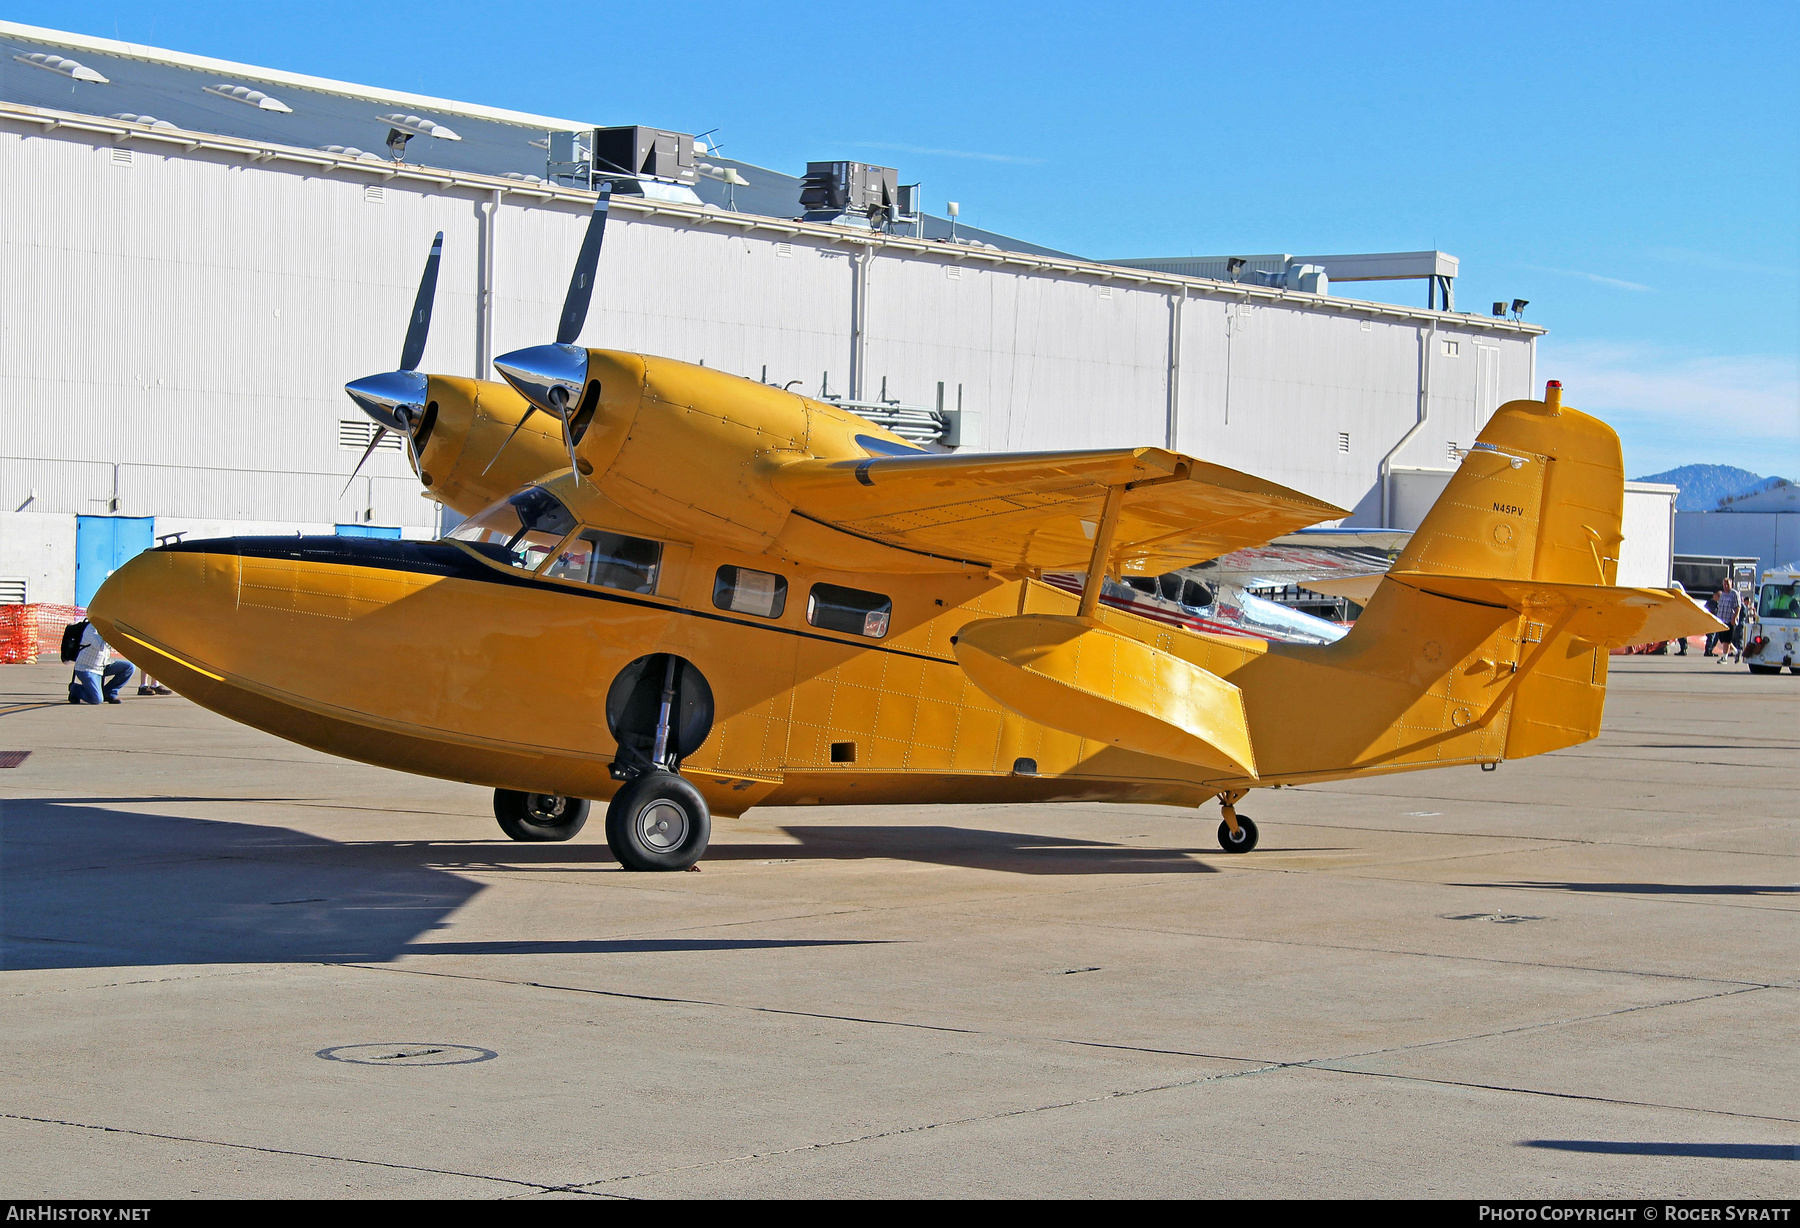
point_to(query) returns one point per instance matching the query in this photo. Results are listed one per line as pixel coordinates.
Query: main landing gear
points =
(658, 821)
(539, 816)
(659, 708)
(1237, 833)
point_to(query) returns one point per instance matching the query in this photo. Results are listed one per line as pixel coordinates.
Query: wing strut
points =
(1101, 562)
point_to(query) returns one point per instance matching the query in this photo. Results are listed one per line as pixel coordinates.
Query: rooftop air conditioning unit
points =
(851, 193)
(651, 162)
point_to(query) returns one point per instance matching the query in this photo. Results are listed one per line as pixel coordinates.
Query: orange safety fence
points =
(27, 630)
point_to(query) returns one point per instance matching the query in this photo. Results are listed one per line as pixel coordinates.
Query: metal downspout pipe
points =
(486, 215)
(1172, 442)
(859, 319)
(1428, 347)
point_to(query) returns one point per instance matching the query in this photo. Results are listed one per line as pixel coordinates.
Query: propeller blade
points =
(581, 285)
(529, 410)
(374, 442)
(562, 412)
(420, 324)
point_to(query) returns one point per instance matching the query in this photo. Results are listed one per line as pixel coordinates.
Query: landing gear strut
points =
(659, 708)
(1237, 834)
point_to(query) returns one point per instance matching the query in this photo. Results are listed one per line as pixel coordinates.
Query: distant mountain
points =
(1703, 486)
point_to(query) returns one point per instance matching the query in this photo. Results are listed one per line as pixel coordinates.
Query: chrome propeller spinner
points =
(395, 400)
(552, 378)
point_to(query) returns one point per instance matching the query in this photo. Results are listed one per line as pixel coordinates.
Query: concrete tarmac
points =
(235, 967)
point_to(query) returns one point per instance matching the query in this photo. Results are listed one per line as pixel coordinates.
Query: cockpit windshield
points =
(1780, 601)
(522, 529)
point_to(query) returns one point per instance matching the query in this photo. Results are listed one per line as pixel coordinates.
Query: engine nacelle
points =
(466, 422)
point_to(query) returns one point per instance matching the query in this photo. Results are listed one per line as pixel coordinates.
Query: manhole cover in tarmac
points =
(400, 1054)
(1498, 918)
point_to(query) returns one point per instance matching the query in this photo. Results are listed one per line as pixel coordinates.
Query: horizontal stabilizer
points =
(1091, 681)
(1358, 588)
(1602, 614)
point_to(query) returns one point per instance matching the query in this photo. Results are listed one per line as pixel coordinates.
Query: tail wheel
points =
(1243, 840)
(658, 821)
(536, 817)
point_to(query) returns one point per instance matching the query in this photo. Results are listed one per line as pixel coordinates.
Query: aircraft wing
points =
(1041, 509)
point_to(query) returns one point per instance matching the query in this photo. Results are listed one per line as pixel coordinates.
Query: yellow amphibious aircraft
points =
(690, 594)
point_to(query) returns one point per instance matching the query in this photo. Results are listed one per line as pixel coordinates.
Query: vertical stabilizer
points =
(1539, 497)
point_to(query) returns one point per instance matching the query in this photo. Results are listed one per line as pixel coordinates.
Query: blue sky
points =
(1632, 170)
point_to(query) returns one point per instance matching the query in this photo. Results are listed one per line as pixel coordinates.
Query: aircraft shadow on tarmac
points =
(970, 848)
(1710, 1151)
(86, 886)
(1648, 888)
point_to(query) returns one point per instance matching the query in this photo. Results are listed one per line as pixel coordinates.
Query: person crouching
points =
(97, 676)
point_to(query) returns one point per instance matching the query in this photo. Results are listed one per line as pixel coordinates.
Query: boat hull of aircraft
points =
(429, 658)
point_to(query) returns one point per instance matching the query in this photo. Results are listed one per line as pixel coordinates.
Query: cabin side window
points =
(521, 530)
(849, 609)
(744, 591)
(609, 560)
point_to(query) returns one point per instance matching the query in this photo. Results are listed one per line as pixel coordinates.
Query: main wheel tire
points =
(539, 816)
(658, 821)
(1765, 669)
(1246, 837)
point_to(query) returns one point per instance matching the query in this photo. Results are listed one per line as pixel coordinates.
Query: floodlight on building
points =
(249, 97)
(1518, 307)
(62, 65)
(1499, 310)
(1235, 266)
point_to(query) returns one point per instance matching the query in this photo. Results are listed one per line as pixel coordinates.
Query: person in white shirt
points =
(97, 676)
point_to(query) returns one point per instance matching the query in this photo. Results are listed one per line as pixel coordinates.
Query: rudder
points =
(1539, 497)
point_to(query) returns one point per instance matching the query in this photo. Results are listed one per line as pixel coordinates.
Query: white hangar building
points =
(197, 255)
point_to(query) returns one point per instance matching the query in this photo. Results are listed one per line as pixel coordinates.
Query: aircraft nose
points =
(394, 399)
(162, 609)
(551, 377)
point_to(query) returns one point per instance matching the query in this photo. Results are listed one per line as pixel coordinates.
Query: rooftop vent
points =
(149, 121)
(850, 193)
(249, 97)
(62, 65)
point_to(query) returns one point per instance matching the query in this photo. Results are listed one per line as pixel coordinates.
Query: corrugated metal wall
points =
(191, 318)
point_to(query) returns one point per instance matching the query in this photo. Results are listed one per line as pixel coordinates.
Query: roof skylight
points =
(63, 65)
(350, 151)
(149, 121)
(419, 127)
(249, 97)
